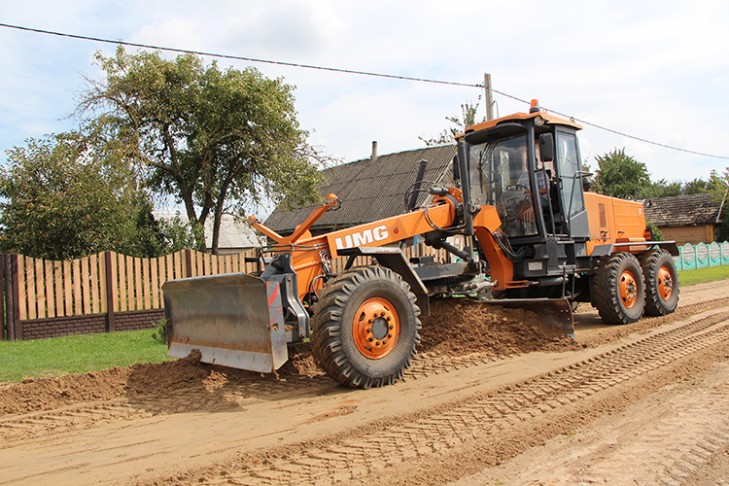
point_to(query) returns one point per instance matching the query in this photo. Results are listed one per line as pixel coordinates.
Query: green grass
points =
(77, 354)
(702, 275)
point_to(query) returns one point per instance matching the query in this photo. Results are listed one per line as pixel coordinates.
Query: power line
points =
(639, 139)
(238, 58)
(348, 71)
(616, 132)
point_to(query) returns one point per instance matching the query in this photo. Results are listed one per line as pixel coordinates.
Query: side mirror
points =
(546, 147)
(586, 183)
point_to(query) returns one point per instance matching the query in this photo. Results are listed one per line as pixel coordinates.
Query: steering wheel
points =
(515, 187)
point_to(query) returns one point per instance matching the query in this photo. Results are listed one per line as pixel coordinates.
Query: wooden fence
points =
(45, 293)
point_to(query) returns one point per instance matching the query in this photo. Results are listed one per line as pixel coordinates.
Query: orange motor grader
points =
(531, 235)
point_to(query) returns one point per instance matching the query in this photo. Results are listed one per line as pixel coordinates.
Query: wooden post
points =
(489, 96)
(110, 317)
(188, 262)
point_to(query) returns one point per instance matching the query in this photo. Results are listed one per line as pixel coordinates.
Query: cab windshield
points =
(499, 177)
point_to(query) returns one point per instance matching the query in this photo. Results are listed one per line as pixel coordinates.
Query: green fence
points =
(702, 255)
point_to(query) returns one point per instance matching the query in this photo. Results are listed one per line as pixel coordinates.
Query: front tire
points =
(619, 290)
(661, 282)
(366, 327)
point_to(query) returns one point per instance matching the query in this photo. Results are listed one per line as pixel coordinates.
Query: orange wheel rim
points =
(628, 289)
(376, 328)
(665, 283)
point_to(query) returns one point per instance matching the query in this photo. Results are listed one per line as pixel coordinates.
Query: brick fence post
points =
(3, 321)
(12, 295)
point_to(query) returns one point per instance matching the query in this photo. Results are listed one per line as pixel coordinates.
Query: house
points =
(686, 219)
(370, 189)
(235, 234)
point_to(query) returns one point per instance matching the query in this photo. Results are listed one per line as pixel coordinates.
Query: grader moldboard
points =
(534, 236)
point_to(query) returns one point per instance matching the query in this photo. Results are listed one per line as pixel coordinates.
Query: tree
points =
(60, 201)
(215, 140)
(718, 184)
(695, 186)
(468, 118)
(663, 188)
(620, 175)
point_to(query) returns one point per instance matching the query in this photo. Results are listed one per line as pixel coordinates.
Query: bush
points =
(657, 234)
(160, 331)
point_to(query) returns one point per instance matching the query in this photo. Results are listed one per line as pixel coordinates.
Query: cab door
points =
(569, 180)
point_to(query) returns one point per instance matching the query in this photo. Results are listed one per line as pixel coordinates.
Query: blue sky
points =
(658, 70)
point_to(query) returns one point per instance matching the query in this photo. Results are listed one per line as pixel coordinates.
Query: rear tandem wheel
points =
(366, 327)
(619, 290)
(661, 282)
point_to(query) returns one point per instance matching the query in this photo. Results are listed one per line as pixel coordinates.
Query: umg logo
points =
(362, 238)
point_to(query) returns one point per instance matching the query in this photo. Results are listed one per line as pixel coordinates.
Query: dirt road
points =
(487, 402)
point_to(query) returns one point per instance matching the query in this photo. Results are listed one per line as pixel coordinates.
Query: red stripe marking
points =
(273, 295)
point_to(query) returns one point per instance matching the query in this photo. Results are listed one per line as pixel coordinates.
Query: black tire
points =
(661, 282)
(619, 289)
(363, 303)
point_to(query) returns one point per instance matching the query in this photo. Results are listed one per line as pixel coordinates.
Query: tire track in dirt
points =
(424, 434)
(668, 438)
(32, 424)
(674, 454)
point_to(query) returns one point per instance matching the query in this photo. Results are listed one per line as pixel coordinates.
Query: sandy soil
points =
(494, 398)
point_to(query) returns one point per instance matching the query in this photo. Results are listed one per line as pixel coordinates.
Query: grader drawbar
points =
(519, 229)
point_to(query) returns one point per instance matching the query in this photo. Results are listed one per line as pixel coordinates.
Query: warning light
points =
(534, 106)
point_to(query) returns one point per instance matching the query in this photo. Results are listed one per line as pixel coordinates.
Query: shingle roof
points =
(687, 210)
(369, 190)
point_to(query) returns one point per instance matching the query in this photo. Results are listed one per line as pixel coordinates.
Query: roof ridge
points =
(392, 154)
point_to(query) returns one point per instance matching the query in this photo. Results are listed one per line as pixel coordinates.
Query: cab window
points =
(499, 177)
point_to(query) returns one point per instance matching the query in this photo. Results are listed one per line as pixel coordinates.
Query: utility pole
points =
(489, 96)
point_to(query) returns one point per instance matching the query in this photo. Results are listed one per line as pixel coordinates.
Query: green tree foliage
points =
(656, 232)
(620, 175)
(695, 186)
(213, 139)
(466, 119)
(662, 188)
(718, 184)
(61, 201)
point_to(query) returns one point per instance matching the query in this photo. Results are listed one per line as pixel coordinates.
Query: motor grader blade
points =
(234, 320)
